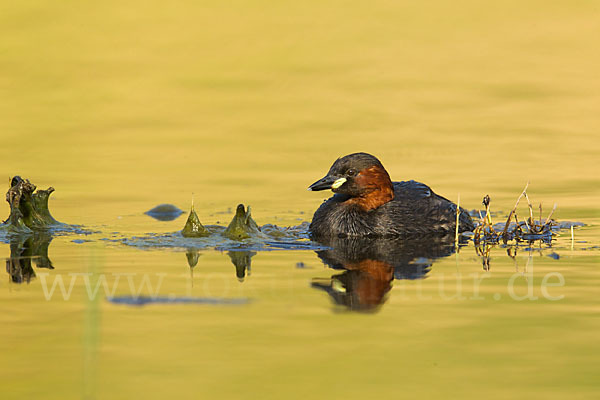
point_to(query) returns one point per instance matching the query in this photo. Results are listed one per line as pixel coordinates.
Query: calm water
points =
(121, 107)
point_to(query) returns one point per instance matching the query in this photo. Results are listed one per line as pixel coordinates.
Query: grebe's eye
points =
(351, 172)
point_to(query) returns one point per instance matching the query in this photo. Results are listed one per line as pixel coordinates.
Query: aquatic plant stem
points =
(457, 215)
(572, 238)
(550, 215)
(504, 231)
(92, 328)
(531, 221)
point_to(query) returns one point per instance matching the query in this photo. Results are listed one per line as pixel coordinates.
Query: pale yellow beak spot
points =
(338, 183)
(337, 286)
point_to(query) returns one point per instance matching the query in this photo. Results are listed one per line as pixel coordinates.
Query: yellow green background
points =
(121, 105)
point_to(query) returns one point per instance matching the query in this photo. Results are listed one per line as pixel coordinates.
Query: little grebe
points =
(368, 203)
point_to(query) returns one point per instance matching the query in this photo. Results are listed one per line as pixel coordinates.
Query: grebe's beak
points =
(329, 182)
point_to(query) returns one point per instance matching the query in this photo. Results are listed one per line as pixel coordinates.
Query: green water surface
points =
(121, 106)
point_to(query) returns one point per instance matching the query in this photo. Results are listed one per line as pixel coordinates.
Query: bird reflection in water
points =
(370, 265)
(23, 250)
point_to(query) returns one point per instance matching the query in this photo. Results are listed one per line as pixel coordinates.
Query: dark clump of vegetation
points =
(28, 208)
(526, 230)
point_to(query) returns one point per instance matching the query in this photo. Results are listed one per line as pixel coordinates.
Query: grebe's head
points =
(356, 175)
